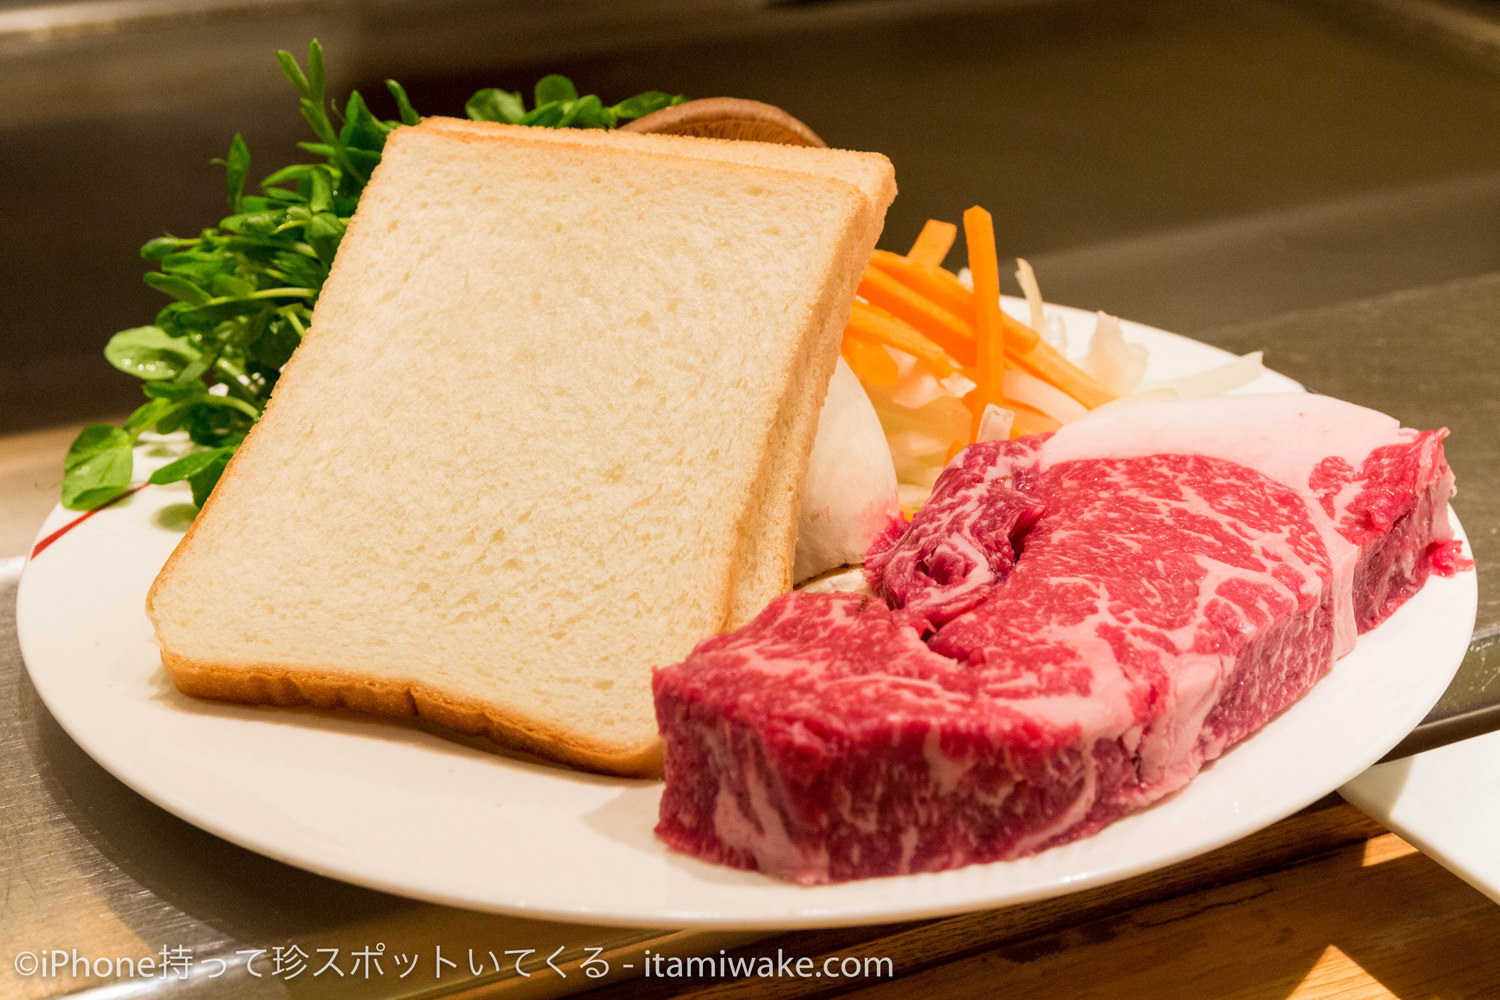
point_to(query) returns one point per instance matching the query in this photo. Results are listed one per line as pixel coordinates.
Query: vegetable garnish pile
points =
(946, 366)
(244, 291)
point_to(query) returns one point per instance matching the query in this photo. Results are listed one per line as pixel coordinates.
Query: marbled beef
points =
(1068, 630)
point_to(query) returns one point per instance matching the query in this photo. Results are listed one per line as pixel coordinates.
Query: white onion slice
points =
(1056, 333)
(904, 362)
(995, 424)
(957, 385)
(1215, 381)
(916, 390)
(1048, 399)
(1117, 364)
(914, 495)
(850, 494)
(1033, 292)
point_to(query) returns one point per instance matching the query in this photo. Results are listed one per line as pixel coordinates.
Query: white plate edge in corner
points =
(1437, 801)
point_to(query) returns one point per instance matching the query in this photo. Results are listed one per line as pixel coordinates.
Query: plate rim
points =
(811, 916)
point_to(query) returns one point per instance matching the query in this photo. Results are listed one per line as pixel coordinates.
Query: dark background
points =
(1183, 163)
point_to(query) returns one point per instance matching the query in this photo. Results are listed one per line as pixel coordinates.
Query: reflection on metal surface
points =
(87, 864)
(1472, 25)
(50, 22)
(1299, 257)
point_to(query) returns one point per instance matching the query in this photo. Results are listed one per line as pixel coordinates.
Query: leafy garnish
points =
(97, 466)
(200, 468)
(243, 291)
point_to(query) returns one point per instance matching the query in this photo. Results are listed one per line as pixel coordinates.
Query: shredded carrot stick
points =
(945, 290)
(974, 402)
(989, 328)
(952, 333)
(1023, 345)
(912, 304)
(933, 243)
(869, 361)
(1019, 338)
(874, 323)
(942, 287)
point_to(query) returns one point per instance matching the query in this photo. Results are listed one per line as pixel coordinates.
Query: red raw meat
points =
(1067, 632)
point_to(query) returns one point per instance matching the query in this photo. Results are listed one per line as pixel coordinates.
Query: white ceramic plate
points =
(400, 809)
(1443, 802)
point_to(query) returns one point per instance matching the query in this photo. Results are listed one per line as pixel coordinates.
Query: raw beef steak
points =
(1068, 630)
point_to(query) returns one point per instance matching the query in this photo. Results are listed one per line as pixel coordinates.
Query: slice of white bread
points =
(771, 534)
(512, 465)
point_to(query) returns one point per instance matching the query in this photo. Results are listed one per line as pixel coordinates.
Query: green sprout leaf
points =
(644, 104)
(205, 479)
(555, 88)
(189, 465)
(492, 105)
(148, 353)
(236, 169)
(408, 114)
(146, 417)
(97, 467)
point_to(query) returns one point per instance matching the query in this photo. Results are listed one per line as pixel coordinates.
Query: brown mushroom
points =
(728, 118)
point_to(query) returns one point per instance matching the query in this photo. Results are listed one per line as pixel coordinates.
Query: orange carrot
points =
(989, 329)
(869, 361)
(952, 333)
(1023, 345)
(875, 324)
(942, 287)
(1019, 338)
(945, 290)
(933, 243)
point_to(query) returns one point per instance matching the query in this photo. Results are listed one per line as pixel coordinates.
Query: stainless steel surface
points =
(1181, 163)
(1260, 174)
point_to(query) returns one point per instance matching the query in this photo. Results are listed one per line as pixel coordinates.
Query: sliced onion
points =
(1056, 333)
(850, 493)
(995, 424)
(1160, 393)
(905, 363)
(914, 495)
(957, 385)
(916, 390)
(1215, 381)
(920, 440)
(1048, 399)
(1053, 330)
(1033, 292)
(1119, 365)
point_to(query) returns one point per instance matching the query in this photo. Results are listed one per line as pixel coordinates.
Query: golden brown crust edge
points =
(776, 533)
(773, 539)
(265, 684)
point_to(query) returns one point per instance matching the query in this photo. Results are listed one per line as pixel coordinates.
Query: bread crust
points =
(269, 684)
(325, 687)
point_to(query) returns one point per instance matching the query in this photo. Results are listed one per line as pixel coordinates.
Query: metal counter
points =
(1293, 178)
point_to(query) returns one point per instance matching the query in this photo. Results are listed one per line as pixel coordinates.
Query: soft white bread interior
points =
(516, 460)
(766, 568)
